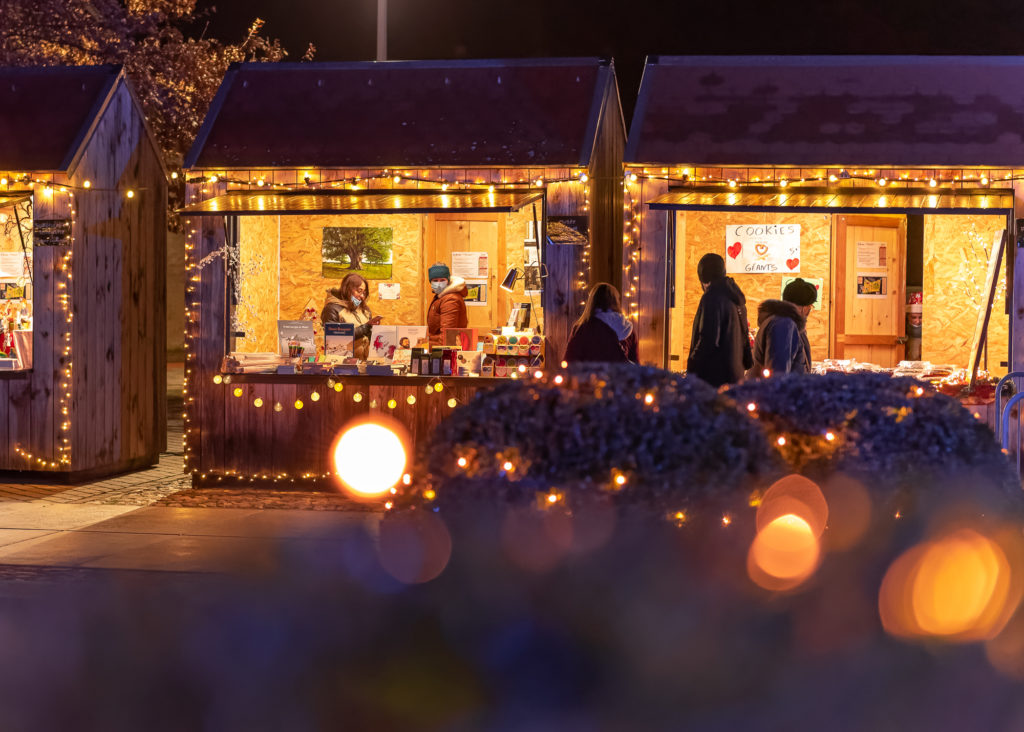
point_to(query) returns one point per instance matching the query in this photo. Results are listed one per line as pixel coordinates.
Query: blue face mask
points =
(438, 287)
(356, 301)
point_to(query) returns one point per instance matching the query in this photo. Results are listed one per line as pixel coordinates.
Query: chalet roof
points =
(830, 111)
(405, 113)
(47, 112)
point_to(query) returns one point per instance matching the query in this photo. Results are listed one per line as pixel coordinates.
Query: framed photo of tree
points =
(365, 250)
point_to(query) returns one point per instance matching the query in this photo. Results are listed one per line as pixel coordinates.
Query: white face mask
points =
(356, 301)
(438, 286)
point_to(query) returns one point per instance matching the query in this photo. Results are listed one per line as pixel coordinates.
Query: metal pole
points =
(382, 30)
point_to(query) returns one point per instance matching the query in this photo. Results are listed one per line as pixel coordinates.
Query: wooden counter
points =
(230, 436)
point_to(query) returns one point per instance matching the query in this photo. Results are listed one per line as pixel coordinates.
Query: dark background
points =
(345, 30)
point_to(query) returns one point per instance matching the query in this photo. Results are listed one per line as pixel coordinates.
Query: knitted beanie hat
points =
(800, 292)
(439, 270)
(710, 268)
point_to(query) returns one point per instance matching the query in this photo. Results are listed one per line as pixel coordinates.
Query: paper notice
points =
(470, 265)
(389, 290)
(871, 255)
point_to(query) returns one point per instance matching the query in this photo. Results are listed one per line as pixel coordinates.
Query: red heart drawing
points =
(792, 263)
(734, 250)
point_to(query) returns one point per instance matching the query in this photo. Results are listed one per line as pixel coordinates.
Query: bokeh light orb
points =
(369, 458)
(784, 553)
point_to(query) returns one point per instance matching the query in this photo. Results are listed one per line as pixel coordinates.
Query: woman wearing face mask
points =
(603, 333)
(347, 304)
(448, 308)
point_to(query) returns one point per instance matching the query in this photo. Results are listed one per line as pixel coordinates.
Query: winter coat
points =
(781, 345)
(720, 344)
(606, 338)
(447, 310)
(337, 310)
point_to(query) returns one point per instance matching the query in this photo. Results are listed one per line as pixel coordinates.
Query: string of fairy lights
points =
(858, 178)
(207, 185)
(64, 297)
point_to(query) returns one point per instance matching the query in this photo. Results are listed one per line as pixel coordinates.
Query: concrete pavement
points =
(153, 520)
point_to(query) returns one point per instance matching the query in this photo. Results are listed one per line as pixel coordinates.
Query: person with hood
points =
(448, 308)
(720, 343)
(347, 304)
(781, 346)
(602, 333)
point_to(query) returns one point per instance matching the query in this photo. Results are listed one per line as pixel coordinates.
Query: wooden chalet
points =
(83, 199)
(870, 176)
(453, 157)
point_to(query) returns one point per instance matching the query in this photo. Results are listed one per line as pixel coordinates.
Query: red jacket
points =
(447, 310)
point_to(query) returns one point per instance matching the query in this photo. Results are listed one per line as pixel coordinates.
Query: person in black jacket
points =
(781, 346)
(720, 344)
(603, 333)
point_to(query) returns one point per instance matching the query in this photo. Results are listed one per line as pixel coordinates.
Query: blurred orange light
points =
(783, 554)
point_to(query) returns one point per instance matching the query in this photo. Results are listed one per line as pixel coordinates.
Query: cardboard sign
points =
(762, 249)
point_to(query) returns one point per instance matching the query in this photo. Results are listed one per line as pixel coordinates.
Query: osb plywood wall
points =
(955, 265)
(701, 232)
(302, 282)
(257, 307)
(516, 228)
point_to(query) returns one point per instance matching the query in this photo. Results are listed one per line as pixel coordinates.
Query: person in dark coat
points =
(781, 346)
(603, 333)
(720, 344)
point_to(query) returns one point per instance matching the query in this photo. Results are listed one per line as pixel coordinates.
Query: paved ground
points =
(152, 520)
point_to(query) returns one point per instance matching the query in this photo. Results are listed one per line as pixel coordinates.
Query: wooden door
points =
(480, 234)
(870, 283)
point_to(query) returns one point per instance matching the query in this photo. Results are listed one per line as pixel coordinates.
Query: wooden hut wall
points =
(258, 304)
(652, 232)
(606, 193)
(955, 260)
(118, 294)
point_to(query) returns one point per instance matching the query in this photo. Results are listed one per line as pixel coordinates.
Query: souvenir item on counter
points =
(487, 366)
(501, 345)
(536, 345)
(402, 357)
(463, 339)
(338, 338)
(294, 334)
(413, 336)
(469, 363)
(487, 343)
(383, 341)
(500, 367)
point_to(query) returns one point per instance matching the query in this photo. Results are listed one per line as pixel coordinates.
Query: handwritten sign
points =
(762, 249)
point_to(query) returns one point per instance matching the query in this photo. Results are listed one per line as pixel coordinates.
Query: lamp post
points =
(382, 30)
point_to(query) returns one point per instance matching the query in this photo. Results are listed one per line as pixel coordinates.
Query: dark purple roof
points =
(45, 113)
(830, 111)
(405, 113)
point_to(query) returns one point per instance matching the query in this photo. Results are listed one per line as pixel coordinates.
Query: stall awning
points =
(12, 199)
(248, 203)
(992, 202)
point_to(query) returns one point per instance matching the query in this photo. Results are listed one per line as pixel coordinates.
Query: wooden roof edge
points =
(211, 117)
(778, 59)
(108, 97)
(469, 63)
(85, 132)
(607, 84)
(639, 111)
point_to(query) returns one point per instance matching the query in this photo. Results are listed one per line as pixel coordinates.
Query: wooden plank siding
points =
(652, 286)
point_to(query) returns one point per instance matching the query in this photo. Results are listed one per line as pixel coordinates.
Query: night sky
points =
(344, 30)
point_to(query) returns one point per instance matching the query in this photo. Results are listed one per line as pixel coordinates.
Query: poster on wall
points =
(470, 265)
(389, 290)
(871, 255)
(818, 282)
(531, 271)
(13, 264)
(872, 287)
(568, 229)
(762, 248)
(476, 293)
(363, 250)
